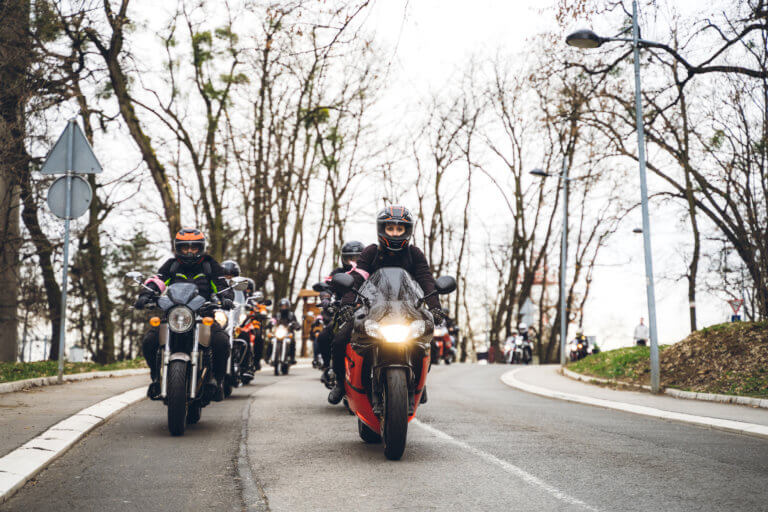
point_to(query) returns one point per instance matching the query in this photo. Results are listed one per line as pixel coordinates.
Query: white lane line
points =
(506, 466)
(731, 425)
(25, 462)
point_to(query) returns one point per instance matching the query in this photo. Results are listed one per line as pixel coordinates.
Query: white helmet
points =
(522, 326)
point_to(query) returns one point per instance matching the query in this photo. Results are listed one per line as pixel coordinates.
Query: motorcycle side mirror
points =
(445, 285)
(134, 276)
(343, 282)
(239, 283)
(321, 286)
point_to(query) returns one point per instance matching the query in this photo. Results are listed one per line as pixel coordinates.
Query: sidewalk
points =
(26, 414)
(548, 378)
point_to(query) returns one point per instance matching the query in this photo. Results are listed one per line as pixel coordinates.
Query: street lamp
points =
(588, 39)
(563, 252)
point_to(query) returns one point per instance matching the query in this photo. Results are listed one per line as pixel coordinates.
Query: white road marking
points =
(731, 425)
(506, 466)
(23, 463)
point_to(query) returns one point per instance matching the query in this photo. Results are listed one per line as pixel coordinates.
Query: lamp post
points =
(563, 254)
(587, 39)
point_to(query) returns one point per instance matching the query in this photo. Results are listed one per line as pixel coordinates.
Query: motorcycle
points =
(526, 355)
(183, 330)
(237, 371)
(387, 359)
(442, 346)
(579, 349)
(281, 340)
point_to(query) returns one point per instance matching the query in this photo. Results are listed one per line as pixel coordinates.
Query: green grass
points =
(19, 371)
(622, 364)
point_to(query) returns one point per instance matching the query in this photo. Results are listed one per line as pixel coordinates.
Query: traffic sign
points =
(81, 195)
(736, 305)
(71, 153)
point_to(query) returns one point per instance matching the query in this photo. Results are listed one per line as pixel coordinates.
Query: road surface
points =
(478, 445)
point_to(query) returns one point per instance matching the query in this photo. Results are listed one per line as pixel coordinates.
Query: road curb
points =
(730, 425)
(22, 464)
(677, 393)
(21, 385)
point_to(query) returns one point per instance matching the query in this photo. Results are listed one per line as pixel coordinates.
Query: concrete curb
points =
(677, 393)
(20, 385)
(730, 425)
(22, 464)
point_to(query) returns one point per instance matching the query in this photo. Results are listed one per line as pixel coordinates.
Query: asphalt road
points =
(477, 445)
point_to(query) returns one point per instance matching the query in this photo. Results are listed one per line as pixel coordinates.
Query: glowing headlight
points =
(180, 319)
(221, 318)
(395, 333)
(418, 327)
(281, 332)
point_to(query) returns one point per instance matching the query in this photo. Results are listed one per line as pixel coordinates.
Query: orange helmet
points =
(189, 245)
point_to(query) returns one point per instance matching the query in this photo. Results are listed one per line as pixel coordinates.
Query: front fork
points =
(195, 357)
(166, 362)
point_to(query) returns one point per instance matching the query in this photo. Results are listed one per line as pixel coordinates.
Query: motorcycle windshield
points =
(182, 293)
(393, 293)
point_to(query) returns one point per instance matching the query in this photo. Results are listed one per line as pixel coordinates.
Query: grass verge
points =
(10, 372)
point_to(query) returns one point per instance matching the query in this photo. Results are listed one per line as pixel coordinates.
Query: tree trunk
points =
(14, 62)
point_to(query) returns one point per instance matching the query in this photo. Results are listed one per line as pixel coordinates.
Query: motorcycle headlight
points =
(372, 328)
(221, 318)
(243, 317)
(281, 332)
(418, 327)
(395, 333)
(180, 319)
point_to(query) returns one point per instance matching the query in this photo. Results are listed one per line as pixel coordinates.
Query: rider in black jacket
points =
(394, 226)
(350, 252)
(190, 264)
(285, 316)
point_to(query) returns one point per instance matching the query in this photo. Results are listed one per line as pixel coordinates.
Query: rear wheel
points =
(366, 434)
(395, 424)
(284, 367)
(276, 362)
(177, 397)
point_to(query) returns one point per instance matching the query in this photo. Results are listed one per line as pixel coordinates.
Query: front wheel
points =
(366, 434)
(177, 397)
(395, 424)
(284, 367)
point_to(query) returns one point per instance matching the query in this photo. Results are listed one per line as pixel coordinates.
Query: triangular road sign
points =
(83, 160)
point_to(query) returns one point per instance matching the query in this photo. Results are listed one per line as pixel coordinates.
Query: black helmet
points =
(251, 286)
(394, 215)
(350, 251)
(189, 245)
(284, 305)
(231, 268)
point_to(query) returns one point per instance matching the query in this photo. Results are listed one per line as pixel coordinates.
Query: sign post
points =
(68, 198)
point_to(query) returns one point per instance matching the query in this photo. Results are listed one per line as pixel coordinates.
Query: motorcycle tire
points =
(227, 388)
(447, 360)
(284, 367)
(177, 397)
(395, 423)
(193, 413)
(366, 434)
(247, 380)
(277, 368)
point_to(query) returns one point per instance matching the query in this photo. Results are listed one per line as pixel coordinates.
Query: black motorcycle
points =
(184, 328)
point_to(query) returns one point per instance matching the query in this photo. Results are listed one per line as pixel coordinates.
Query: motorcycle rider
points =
(260, 305)
(394, 228)
(350, 252)
(189, 264)
(285, 316)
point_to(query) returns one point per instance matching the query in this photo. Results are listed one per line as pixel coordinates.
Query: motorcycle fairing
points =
(357, 396)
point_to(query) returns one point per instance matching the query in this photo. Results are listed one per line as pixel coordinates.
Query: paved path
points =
(548, 377)
(478, 445)
(26, 414)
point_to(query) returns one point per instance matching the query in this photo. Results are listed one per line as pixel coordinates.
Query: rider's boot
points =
(337, 393)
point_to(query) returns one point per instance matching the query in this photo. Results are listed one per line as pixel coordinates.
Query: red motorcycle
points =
(387, 360)
(442, 346)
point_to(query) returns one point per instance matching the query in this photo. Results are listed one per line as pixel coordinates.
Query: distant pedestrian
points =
(641, 334)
